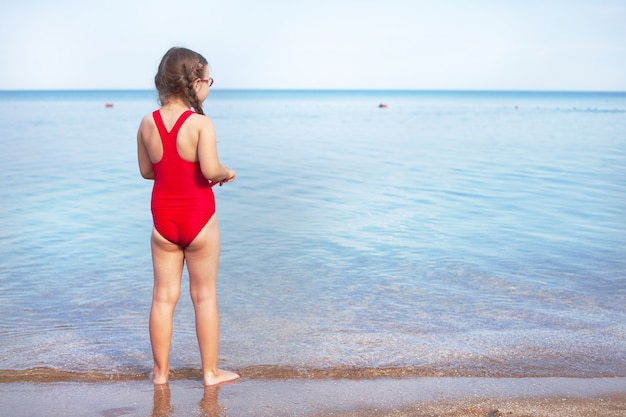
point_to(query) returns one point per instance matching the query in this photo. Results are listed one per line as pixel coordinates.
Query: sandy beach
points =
(437, 396)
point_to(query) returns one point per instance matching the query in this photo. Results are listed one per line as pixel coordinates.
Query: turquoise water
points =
(451, 233)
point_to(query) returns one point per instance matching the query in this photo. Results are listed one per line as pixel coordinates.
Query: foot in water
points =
(220, 377)
(158, 378)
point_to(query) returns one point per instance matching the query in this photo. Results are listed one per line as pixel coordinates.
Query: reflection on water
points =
(162, 401)
(208, 406)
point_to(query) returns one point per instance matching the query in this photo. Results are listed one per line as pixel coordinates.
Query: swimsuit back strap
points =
(179, 122)
(169, 138)
(158, 120)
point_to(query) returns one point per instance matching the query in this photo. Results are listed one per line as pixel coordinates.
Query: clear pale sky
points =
(322, 44)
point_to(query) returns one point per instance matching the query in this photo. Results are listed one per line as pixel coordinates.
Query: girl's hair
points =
(178, 70)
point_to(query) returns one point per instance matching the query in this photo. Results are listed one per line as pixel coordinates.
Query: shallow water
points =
(451, 397)
(452, 233)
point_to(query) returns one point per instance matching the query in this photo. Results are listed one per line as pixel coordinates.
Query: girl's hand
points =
(230, 178)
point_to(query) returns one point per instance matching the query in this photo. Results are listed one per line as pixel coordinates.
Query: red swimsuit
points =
(182, 198)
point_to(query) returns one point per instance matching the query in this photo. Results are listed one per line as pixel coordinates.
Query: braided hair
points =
(178, 70)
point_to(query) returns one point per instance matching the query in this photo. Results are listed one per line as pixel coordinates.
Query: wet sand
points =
(437, 396)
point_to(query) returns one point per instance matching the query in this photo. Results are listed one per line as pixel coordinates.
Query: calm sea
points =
(450, 233)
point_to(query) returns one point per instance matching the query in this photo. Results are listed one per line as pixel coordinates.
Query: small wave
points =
(598, 110)
(48, 375)
(45, 374)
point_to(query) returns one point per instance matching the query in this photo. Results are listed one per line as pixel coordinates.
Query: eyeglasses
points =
(209, 81)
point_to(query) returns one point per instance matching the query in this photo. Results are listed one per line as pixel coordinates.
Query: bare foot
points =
(158, 378)
(220, 377)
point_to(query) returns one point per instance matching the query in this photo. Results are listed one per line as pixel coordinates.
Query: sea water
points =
(448, 233)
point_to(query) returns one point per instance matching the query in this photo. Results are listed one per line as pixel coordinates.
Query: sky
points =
(324, 44)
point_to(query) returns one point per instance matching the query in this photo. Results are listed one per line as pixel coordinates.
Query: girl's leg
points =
(202, 258)
(167, 261)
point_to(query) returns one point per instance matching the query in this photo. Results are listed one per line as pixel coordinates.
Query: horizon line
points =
(437, 90)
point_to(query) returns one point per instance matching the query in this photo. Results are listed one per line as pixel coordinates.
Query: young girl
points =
(176, 148)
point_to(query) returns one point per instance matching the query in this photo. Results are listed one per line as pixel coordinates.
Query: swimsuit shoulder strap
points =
(158, 120)
(168, 139)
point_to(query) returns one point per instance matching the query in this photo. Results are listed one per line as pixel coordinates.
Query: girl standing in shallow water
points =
(176, 147)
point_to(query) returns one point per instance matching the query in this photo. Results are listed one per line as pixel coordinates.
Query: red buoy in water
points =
(108, 105)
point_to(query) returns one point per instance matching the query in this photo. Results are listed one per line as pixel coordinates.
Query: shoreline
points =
(423, 396)
(45, 374)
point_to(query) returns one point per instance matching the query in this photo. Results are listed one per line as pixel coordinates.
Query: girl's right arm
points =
(145, 165)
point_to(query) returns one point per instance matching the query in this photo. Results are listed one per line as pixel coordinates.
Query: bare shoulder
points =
(147, 119)
(201, 120)
(147, 124)
(203, 124)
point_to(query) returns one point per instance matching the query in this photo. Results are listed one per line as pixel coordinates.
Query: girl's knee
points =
(203, 295)
(165, 297)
